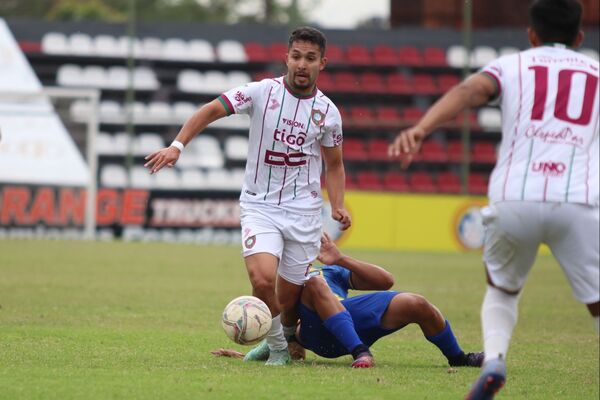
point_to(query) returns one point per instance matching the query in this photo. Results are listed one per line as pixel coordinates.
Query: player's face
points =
(304, 62)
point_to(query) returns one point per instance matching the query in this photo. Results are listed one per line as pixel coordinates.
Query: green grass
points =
(137, 321)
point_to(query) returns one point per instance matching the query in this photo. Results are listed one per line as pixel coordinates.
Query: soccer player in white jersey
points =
(544, 188)
(292, 124)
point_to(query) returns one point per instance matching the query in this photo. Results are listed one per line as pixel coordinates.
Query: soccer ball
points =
(246, 320)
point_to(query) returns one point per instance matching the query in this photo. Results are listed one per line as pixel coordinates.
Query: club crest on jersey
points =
(317, 117)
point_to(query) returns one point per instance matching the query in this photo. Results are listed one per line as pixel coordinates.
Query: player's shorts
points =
(366, 310)
(515, 230)
(293, 238)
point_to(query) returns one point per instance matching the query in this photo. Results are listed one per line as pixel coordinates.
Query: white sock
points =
(275, 339)
(597, 322)
(498, 318)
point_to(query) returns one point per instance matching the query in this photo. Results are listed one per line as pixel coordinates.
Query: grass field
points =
(137, 321)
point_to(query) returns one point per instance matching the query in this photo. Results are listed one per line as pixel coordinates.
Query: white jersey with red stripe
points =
(283, 167)
(549, 149)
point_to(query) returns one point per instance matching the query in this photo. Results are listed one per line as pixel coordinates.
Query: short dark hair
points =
(311, 35)
(556, 20)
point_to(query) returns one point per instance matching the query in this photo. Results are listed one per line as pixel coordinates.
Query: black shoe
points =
(467, 360)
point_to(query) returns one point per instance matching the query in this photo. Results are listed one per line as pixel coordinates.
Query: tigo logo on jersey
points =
(549, 168)
(281, 135)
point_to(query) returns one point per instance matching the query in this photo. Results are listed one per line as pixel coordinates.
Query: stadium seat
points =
(507, 50)
(346, 82)
(190, 81)
(325, 82)
(483, 152)
(167, 179)
(410, 56)
(457, 57)
(69, 75)
(236, 148)
(121, 143)
(397, 83)
(104, 143)
(175, 49)
(410, 115)
(110, 112)
(144, 78)
(182, 110)
(361, 116)
(367, 180)
(256, 52)
(351, 183)
(123, 47)
(237, 177)
(447, 81)
(433, 151)
(478, 183)
(448, 182)
(454, 149)
(238, 78)
(147, 143)
(151, 48)
(105, 46)
(358, 55)
(371, 82)
(378, 150)
(231, 51)
(80, 110)
(434, 57)
(354, 150)
(113, 175)
(482, 55)
(80, 44)
(141, 178)
(424, 84)
(215, 82)
(159, 112)
(117, 77)
(200, 50)
(387, 116)
(277, 52)
(55, 43)
(490, 119)
(335, 54)
(422, 182)
(203, 152)
(221, 179)
(385, 55)
(192, 179)
(395, 181)
(94, 76)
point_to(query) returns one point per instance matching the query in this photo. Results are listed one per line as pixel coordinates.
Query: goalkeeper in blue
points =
(325, 306)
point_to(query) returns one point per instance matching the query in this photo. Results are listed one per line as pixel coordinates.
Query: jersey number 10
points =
(565, 78)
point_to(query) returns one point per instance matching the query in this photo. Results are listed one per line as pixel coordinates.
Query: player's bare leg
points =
(262, 270)
(408, 308)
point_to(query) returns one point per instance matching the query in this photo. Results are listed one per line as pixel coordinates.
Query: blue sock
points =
(342, 327)
(446, 342)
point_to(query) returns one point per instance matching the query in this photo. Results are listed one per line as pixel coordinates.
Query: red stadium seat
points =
(483, 152)
(361, 116)
(354, 150)
(346, 82)
(410, 56)
(398, 84)
(351, 182)
(472, 120)
(385, 55)
(478, 183)
(358, 55)
(387, 116)
(378, 150)
(344, 113)
(259, 76)
(447, 81)
(422, 182)
(325, 82)
(372, 82)
(256, 52)
(367, 180)
(424, 84)
(395, 181)
(335, 54)
(455, 151)
(277, 52)
(448, 182)
(434, 57)
(411, 115)
(433, 151)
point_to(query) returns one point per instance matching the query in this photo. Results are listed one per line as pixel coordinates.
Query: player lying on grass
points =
(375, 315)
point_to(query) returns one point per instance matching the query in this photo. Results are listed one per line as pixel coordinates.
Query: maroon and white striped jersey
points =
(549, 148)
(287, 131)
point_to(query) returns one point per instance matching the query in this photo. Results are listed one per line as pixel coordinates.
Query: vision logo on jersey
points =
(549, 168)
(317, 117)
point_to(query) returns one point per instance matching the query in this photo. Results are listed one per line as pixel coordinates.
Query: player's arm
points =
(335, 176)
(363, 275)
(474, 91)
(205, 115)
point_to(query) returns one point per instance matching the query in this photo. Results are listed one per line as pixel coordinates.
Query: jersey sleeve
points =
(494, 71)
(338, 278)
(332, 130)
(240, 100)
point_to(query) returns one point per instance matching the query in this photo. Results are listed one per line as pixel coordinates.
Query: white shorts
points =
(295, 239)
(514, 231)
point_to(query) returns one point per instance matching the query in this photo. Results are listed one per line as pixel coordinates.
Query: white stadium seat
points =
(144, 78)
(113, 175)
(146, 143)
(190, 81)
(104, 143)
(236, 148)
(238, 78)
(117, 77)
(69, 75)
(231, 51)
(456, 56)
(80, 44)
(123, 47)
(215, 82)
(159, 112)
(110, 111)
(482, 55)
(192, 179)
(201, 51)
(94, 76)
(175, 49)
(490, 119)
(105, 46)
(182, 110)
(80, 110)
(141, 177)
(121, 143)
(167, 178)
(151, 48)
(55, 43)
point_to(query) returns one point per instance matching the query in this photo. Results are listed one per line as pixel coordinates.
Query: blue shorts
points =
(366, 311)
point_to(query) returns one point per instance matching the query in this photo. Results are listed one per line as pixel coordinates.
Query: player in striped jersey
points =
(291, 124)
(544, 188)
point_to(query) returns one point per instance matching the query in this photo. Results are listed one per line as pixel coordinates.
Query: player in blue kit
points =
(375, 315)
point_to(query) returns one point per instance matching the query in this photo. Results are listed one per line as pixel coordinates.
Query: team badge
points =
(317, 117)
(250, 242)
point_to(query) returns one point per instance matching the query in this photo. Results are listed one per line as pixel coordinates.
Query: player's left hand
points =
(227, 353)
(329, 254)
(166, 157)
(407, 144)
(342, 216)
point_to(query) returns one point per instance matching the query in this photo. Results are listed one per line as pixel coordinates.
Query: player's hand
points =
(297, 352)
(164, 157)
(342, 216)
(227, 353)
(329, 254)
(407, 144)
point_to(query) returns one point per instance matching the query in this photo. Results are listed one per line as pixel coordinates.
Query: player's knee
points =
(315, 285)
(421, 306)
(262, 285)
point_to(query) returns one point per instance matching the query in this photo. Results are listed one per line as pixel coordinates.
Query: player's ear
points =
(533, 37)
(578, 40)
(322, 63)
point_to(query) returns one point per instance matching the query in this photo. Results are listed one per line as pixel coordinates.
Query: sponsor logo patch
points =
(250, 242)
